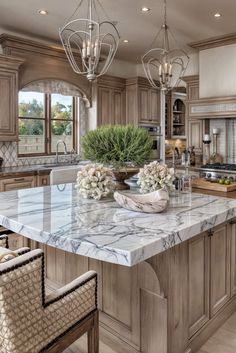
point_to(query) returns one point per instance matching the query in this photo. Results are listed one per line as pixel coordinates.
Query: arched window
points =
(48, 112)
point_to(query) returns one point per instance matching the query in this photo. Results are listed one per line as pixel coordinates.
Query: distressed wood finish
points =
(198, 282)
(233, 256)
(170, 304)
(18, 183)
(220, 269)
(142, 102)
(9, 97)
(43, 61)
(110, 105)
(195, 133)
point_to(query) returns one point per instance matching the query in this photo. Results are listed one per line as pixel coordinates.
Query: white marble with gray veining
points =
(103, 230)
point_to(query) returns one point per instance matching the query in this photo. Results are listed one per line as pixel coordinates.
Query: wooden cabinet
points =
(17, 183)
(110, 101)
(211, 269)
(142, 102)
(195, 133)
(43, 180)
(220, 268)
(9, 97)
(178, 115)
(198, 282)
(232, 231)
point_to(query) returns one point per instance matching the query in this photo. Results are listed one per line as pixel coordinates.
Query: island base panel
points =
(165, 304)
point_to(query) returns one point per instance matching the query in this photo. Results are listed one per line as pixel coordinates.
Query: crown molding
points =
(214, 42)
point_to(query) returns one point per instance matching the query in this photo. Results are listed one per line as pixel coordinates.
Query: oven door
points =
(156, 145)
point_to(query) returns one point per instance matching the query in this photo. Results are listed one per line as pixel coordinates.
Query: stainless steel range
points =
(217, 171)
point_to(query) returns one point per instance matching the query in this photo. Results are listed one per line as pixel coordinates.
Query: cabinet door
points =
(144, 105)
(198, 279)
(195, 133)
(8, 106)
(232, 232)
(43, 180)
(118, 105)
(17, 183)
(131, 105)
(220, 269)
(154, 106)
(104, 106)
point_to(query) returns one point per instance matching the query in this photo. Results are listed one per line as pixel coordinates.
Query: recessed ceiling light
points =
(42, 12)
(217, 15)
(125, 41)
(145, 9)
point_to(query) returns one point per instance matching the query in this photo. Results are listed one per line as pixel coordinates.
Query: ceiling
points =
(189, 20)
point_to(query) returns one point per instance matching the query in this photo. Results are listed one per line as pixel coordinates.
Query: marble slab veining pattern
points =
(58, 216)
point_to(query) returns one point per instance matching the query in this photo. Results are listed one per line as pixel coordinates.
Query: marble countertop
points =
(57, 216)
(21, 171)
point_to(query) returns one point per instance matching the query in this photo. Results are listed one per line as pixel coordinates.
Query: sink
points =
(64, 174)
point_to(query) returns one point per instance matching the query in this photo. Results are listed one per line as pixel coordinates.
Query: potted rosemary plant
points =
(125, 148)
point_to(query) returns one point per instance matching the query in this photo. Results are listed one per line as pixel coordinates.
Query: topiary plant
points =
(117, 145)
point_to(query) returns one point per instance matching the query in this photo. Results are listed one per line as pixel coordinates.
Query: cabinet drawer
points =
(17, 183)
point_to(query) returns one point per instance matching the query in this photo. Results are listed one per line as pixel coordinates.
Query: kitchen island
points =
(166, 281)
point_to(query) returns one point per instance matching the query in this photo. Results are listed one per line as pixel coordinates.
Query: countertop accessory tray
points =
(154, 202)
(208, 185)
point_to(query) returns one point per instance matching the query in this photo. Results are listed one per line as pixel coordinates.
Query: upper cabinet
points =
(178, 128)
(110, 101)
(9, 67)
(142, 102)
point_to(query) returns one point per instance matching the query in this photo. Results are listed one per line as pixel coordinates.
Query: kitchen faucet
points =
(65, 150)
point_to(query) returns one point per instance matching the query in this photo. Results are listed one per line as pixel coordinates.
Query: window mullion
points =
(47, 123)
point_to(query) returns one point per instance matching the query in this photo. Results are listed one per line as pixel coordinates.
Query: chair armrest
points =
(71, 287)
(19, 261)
(22, 251)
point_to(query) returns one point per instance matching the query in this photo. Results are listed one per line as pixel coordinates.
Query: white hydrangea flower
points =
(155, 176)
(95, 181)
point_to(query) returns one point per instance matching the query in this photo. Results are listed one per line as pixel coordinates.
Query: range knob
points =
(208, 175)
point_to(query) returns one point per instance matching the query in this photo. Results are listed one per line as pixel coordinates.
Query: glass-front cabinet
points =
(178, 121)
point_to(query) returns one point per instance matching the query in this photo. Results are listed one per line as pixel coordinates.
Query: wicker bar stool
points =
(30, 321)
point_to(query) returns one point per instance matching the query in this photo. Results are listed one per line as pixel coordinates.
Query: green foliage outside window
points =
(35, 109)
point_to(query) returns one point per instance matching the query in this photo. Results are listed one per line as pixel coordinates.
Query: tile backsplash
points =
(8, 151)
(226, 140)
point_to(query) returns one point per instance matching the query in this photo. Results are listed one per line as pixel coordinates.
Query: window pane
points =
(61, 107)
(32, 136)
(61, 130)
(31, 104)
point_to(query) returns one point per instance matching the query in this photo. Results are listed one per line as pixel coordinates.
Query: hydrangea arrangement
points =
(155, 176)
(95, 181)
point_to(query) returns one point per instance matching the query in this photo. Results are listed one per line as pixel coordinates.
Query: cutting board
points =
(208, 185)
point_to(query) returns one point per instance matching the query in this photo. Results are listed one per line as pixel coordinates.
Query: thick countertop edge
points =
(119, 256)
(69, 245)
